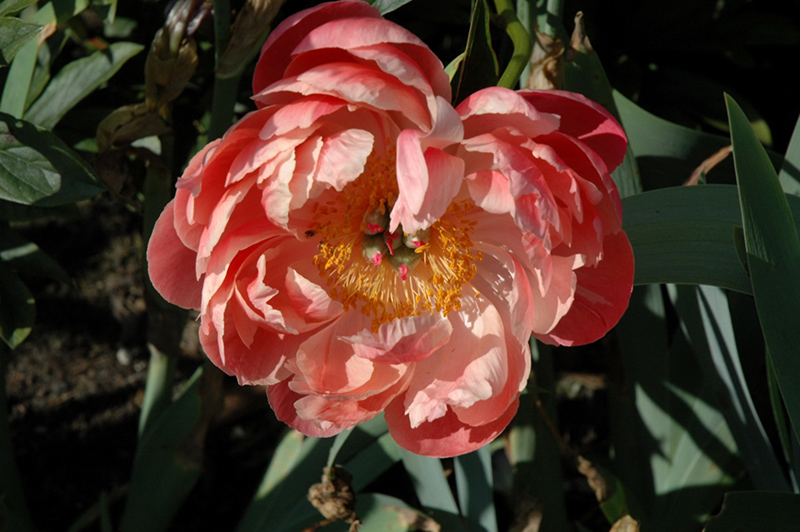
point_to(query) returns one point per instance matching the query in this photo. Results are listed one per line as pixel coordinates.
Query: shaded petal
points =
(445, 436)
(601, 296)
(585, 120)
(169, 260)
(282, 400)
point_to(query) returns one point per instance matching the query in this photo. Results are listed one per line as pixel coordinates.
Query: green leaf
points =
(673, 450)
(14, 34)
(773, 255)
(706, 318)
(474, 486)
(756, 511)
(17, 307)
(77, 80)
(287, 509)
(168, 461)
(666, 153)
(25, 257)
(479, 69)
(684, 235)
(789, 175)
(385, 6)
(432, 489)
(382, 513)
(10, 7)
(36, 167)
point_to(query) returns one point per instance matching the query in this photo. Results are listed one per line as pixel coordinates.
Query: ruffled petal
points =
(601, 296)
(276, 54)
(402, 340)
(445, 436)
(168, 262)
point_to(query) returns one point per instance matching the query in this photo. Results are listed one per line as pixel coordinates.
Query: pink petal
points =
(445, 436)
(343, 157)
(601, 296)
(496, 107)
(282, 400)
(362, 37)
(471, 367)
(362, 85)
(310, 299)
(585, 120)
(276, 54)
(263, 362)
(330, 365)
(402, 340)
(428, 179)
(169, 261)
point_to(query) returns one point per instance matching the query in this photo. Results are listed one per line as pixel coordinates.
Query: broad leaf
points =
(36, 167)
(77, 80)
(10, 7)
(14, 34)
(169, 459)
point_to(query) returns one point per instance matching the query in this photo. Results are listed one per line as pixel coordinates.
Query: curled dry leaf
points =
(334, 496)
(595, 479)
(626, 524)
(547, 64)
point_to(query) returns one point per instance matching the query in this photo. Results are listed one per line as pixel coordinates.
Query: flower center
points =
(385, 274)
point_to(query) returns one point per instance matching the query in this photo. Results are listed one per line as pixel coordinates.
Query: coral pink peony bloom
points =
(360, 246)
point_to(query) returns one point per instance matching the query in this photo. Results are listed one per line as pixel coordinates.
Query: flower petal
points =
(601, 296)
(168, 261)
(276, 54)
(402, 340)
(445, 436)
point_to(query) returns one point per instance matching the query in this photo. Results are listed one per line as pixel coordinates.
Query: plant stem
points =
(17, 517)
(522, 44)
(225, 89)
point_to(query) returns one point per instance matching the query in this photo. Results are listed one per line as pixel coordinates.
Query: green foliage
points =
(36, 167)
(478, 66)
(688, 427)
(14, 34)
(77, 80)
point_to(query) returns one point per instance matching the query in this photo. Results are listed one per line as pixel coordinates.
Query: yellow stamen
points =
(374, 287)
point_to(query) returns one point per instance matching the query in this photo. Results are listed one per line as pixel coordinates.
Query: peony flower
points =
(360, 246)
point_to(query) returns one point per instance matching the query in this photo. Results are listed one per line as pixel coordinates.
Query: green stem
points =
(225, 89)
(225, 92)
(522, 44)
(12, 499)
(222, 28)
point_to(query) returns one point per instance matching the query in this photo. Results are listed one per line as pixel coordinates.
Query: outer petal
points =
(282, 400)
(446, 436)
(585, 120)
(276, 54)
(169, 261)
(601, 296)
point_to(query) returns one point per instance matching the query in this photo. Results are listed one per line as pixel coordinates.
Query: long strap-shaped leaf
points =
(773, 255)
